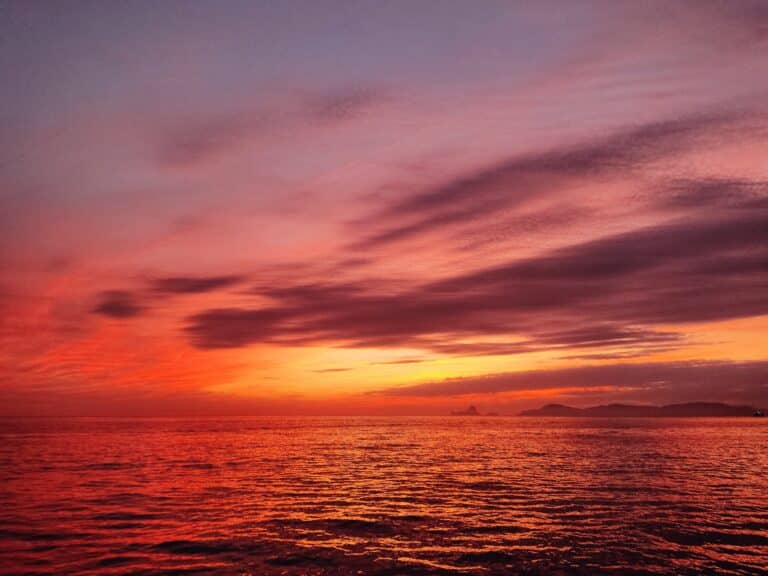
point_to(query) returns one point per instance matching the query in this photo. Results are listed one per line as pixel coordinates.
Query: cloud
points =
(343, 105)
(612, 292)
(711, 193)
(195, 142)
(749, 17)
(606, 335)
(551, 219)
(194, 284)
(233, 327)
(326, 370)
(675, 379)
(129, 304)
(191, 143)
(510, 184)
(400, 361)
(118, 304)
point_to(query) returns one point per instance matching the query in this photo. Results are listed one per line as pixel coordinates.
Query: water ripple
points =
(384, 496)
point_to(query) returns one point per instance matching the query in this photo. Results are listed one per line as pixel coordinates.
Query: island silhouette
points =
(472, 411)
(689, 409)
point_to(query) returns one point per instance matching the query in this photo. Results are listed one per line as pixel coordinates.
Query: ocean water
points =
(447, 495)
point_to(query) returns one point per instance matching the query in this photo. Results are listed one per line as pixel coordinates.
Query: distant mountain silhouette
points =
(624, 410)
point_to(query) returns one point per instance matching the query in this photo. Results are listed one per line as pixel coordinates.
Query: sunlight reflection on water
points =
(384, 496)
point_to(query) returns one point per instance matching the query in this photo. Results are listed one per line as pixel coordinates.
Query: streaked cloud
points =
(118, 304)
(601, 293)
(193, 142)
(194, 285)
(666, 380)
(512, 182)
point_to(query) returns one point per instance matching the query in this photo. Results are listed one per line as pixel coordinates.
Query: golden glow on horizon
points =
(379, 221)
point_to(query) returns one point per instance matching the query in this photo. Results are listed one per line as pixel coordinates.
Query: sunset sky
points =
(333, 207)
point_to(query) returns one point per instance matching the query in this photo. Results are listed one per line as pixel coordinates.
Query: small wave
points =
(127, 516)
(198, 465)
(498, 529)
(233, 548)
(108, 466)
(343, 525)
(704, 537)
(302, 559)
(194, 547)
(486, 557)
(34, 536)
(487, 485)
(119, 560)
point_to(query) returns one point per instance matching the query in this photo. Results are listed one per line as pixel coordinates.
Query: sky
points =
(333, 207)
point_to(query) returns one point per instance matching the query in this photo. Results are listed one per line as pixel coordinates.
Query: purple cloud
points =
(511, 183)
(605, 293)
(673, 380)
(194, 284)
(118, 304)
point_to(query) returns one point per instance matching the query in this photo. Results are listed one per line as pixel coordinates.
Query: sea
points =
(384, 496)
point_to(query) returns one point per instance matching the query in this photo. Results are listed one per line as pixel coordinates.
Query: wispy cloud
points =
(511, 183)
(193, 141)
(705, 194)
(194, 285)
(330, 370)
(745, 380)
(118, 304)
(344, 104)
(602, 293)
